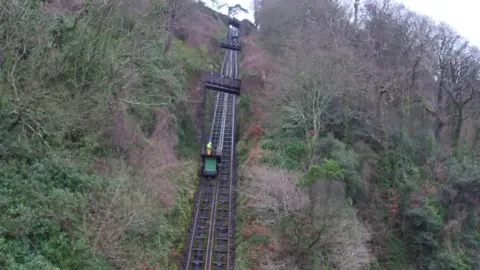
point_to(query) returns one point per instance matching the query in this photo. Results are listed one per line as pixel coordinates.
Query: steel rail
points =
(205, 188)
(215, 199)
(224, 195)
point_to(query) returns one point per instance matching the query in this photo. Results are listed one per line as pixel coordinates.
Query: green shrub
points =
(395, 170)
(274, 159)
(75, 69)
(269, 144)
(242, 151)
(288, 152)
(329, 169)
(258, 239)
(193, 60)
(187, 145)
(294, 150)
(424, 226)
(349, 161)
(245, 100)
(144, 116)
(396, 254)
(42, 215)
(449, 259)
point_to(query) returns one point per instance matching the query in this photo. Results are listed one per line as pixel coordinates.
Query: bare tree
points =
(402, 74)
(461, 84)
(257, 6)
(309, 223)
(234, 10)
(356, 5)
(396, 45)
(456, 73)
(176, 10)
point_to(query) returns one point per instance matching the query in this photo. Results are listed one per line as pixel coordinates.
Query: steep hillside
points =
(359, 153)
(98, 152)
(357, 140)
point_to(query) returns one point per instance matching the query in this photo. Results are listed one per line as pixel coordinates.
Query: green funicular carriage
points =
(210, 164)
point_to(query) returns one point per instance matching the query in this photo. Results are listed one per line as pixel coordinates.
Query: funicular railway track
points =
(210, 243)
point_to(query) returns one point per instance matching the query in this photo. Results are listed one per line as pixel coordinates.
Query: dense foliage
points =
(80, 90)
(385, 101)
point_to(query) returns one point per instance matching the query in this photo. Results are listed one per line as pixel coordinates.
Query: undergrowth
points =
(78, 95)
(421, 216)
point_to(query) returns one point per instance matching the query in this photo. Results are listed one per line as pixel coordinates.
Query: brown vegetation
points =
(65, 6)
(398, 88)
(311, 221)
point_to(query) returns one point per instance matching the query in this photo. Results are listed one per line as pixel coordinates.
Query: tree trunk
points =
(458, 126)
(172, 17)
(355, 19)
(168, 43)
(439, 111)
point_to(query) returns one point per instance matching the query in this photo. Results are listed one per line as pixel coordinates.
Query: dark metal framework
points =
(234, 22)
(234, 46)
(217, 82)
